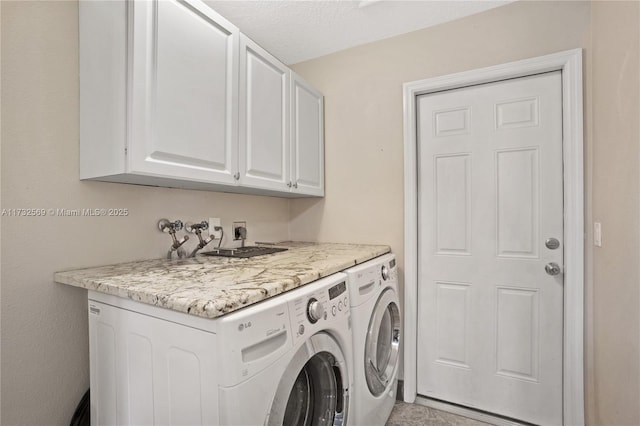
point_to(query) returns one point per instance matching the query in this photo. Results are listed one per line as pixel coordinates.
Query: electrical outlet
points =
(215, 228)
(239, 230)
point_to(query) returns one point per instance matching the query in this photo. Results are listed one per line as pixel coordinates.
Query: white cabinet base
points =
(166, 373)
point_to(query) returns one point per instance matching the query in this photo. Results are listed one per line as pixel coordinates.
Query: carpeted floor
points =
(404, 414)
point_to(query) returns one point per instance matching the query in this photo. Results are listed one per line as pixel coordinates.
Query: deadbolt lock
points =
(552, 243)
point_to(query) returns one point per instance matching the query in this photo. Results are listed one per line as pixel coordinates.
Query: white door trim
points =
(570, 63)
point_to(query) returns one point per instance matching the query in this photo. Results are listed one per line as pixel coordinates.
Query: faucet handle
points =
(164, 225)
(194, 227)
(167, 226)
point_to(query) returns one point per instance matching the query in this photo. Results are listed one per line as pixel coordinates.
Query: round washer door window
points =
(314, 389)
(383, 343)
(315, 395)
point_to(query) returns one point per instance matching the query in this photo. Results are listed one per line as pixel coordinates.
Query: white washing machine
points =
(284, 361)
(376, 329)
(309, 383)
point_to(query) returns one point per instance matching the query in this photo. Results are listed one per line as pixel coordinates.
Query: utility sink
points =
(243, 252)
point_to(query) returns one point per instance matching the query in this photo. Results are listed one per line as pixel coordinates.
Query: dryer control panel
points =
(367, 280)
(318, 305)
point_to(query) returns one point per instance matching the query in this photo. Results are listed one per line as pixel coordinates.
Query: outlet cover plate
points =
(237, 225)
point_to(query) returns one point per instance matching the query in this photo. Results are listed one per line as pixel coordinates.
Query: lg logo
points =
(244, 325)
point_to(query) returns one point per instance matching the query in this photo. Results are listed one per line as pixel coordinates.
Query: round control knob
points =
(340, 305)
(315, 310)
(334, 311)
(385, 273)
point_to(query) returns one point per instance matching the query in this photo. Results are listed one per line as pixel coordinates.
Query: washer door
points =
(314, 390)
(383, 343)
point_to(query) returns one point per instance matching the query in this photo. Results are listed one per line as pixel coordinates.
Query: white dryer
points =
(376, 329)
(308, 384)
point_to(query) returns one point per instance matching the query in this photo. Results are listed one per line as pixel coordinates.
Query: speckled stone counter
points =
(209, 286)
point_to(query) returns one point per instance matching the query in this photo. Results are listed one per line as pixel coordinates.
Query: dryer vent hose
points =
(81, 416)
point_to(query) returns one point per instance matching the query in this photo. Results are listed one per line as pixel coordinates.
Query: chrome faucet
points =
(197, 229)
(171, 228)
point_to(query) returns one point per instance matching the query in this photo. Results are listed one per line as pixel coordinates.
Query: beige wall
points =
(364, 156)
(44, 325)
(615, 131)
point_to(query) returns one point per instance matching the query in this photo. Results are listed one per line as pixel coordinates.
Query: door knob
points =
(552, 268)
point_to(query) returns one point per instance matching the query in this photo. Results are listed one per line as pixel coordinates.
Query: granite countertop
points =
(211, 286)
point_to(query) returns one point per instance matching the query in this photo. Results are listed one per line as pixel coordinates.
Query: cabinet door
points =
(183, 93)
(264, 119)
(307, 138)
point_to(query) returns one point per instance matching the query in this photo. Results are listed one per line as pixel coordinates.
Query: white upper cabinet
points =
(172, 95)
(264, 119)
(184, 84)
(281, 126)
(158, 93)
(307, 138)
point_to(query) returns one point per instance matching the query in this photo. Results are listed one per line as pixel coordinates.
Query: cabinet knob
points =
(236, 176)
(295, 185)
(289, 184)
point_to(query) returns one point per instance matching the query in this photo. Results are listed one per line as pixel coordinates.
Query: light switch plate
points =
(597, 234)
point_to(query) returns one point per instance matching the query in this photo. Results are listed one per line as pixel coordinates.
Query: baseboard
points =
(459, 410)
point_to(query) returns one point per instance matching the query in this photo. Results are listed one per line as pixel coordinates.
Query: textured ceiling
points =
(295, 30)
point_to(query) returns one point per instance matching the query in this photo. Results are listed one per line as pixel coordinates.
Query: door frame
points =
(570, 63)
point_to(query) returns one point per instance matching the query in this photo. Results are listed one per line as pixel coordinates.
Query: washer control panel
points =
(389, 270)
(323, 302)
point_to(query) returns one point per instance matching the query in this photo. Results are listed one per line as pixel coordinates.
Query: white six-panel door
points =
(490, 318)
